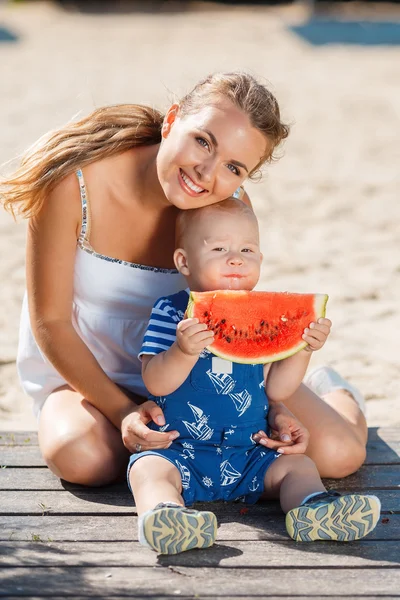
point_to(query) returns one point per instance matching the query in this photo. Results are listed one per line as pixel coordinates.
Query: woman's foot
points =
(170, 529)
(324, 380)
(330, 516)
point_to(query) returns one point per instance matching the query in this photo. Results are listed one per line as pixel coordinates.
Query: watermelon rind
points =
(320, 301)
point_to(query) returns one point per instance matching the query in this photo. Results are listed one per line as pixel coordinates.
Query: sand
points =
(329, 210)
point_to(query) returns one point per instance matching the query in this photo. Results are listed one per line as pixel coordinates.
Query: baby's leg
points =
(164, 524)
(153, 480)
(292, 478)
(312, 512)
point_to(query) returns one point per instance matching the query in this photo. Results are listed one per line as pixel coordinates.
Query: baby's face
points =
(223, 252)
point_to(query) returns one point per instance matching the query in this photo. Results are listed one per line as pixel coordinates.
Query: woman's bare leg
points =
(78, 443)
(338, 430)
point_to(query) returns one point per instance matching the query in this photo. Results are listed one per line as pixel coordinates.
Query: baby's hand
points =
(316, 334)
(192, 337)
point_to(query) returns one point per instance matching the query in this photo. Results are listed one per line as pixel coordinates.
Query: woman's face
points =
(204, 157)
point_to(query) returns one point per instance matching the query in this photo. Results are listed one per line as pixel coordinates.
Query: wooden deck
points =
(59, 540)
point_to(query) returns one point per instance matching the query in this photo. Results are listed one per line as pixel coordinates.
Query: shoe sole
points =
(346, 519)
(173, 530)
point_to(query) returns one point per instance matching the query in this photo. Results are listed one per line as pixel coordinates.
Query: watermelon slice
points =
(256, 327)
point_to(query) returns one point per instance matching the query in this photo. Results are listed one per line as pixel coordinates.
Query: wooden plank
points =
(18, 450)
(378, 453)
(99, 501)
(18, 438)
(262, 554)
(40, 479)
(199, 596)
(383, 453)
(386, 434)
(82, 502)
(180, 580)
(371, 477)
(64, 528)
(30, 438)
(21, 456)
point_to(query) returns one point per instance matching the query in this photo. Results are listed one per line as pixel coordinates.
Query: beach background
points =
(329, 210)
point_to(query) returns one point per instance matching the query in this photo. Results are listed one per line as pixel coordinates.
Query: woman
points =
(102, 196)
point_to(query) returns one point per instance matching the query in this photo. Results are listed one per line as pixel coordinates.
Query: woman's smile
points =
(188, 185)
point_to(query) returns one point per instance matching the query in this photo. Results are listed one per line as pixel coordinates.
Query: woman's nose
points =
(206, 170)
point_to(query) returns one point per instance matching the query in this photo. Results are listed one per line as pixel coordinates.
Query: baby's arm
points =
(285, 376)
(163, 373)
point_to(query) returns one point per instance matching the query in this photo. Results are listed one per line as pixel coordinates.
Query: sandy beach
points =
(329, 210)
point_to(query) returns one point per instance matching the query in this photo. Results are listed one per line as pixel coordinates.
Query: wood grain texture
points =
(60, 540)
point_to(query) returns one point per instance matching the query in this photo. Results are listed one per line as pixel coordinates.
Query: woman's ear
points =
(180, 260)
(169, 120)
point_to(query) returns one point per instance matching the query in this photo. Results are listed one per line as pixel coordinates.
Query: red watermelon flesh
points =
(256, 327)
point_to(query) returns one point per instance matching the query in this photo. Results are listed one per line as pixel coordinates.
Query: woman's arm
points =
(51, 249)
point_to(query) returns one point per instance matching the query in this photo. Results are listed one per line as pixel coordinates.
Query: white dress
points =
(111, 307)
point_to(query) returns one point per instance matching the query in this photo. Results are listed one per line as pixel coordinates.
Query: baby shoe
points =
(169, 528)
(331, 516)
(323, 380)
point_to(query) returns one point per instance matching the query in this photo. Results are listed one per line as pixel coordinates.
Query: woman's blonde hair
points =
(114, 129)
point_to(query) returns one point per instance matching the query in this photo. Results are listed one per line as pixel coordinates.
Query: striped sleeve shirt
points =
(161, 330)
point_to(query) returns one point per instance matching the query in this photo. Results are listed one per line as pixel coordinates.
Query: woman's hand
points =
(137, 436)
(288, 435)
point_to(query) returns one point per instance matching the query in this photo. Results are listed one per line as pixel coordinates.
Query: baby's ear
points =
(180, 260)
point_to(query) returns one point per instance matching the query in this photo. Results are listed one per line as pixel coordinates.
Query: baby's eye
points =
(203, 142)
(234, 169)
(247, 250)
(218, 249)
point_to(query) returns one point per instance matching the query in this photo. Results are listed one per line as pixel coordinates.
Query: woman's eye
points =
(234, 169)
(202, 142)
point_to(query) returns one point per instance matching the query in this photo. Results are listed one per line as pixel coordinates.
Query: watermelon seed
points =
(262, 323)
(206, 314)
(228, 339)
(223, 321)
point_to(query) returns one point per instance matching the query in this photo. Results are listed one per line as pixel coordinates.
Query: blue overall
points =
(216, 411)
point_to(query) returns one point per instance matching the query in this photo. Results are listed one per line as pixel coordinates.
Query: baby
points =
(217, 406)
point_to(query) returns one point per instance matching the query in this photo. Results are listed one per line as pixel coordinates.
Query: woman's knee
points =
(339, 457)
(83, 459)
(80, 446)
